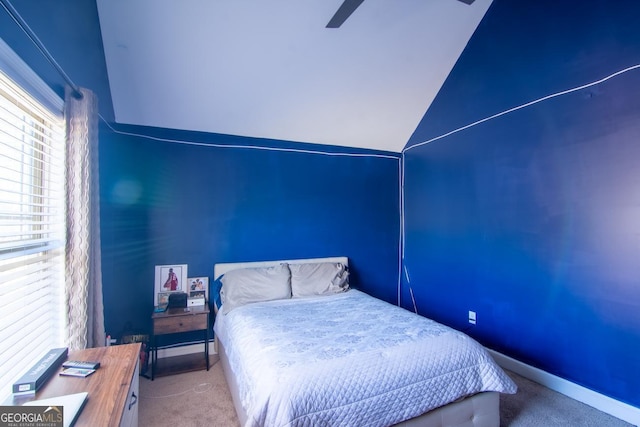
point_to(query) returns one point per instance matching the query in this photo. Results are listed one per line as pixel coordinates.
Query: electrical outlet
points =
(472, 317)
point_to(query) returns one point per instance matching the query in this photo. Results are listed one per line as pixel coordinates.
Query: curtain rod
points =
(43, 50)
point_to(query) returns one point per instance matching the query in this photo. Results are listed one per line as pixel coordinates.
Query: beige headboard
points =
(220, 269)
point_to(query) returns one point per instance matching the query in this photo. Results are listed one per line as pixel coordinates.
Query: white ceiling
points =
(271, 69)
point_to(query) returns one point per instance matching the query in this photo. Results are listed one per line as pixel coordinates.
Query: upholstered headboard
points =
(220, 269)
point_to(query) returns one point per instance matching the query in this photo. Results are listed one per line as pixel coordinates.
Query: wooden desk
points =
(113, 388)
(178, 320)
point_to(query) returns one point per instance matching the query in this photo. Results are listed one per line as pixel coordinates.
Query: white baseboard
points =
(184, 349)
(606, 404)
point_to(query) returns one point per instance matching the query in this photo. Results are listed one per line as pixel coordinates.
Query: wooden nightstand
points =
(178, 320)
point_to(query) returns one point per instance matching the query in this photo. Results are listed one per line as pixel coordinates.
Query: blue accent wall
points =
(532, 219)
(198, 204)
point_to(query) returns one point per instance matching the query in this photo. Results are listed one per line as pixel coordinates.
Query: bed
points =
(299, 347)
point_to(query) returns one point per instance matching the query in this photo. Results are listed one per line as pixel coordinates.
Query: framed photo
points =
(163, 298)
(198, 285)
(170, 278)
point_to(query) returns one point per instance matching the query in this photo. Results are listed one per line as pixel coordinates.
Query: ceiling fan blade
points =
(345, 10)
(349, 6)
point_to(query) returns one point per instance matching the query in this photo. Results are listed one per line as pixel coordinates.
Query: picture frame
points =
(169, 279)
(197, 285)
(163, 298)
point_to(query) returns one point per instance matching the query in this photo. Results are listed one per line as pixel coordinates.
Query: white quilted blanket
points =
(348, 360)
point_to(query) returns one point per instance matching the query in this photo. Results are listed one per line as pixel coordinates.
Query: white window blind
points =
(32, 232)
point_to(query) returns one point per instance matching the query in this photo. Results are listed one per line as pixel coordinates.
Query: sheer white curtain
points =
(85, 316)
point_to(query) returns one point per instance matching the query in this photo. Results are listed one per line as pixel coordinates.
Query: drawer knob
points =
(133, 400)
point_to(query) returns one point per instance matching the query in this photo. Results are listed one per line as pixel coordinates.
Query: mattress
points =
(348, 359)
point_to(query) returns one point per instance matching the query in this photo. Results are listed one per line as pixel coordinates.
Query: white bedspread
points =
(350, 360)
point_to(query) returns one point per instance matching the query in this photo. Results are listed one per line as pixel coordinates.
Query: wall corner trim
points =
(606, 404)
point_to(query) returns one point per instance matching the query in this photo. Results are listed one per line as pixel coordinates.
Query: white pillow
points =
(321, 278)
(247, 285)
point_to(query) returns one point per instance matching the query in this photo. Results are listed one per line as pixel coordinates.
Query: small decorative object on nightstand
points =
(198, 291)
(196, 298)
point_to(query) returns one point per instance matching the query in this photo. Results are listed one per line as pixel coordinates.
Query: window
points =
(32, 230)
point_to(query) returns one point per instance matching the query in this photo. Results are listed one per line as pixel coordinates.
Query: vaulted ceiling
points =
(271, 69)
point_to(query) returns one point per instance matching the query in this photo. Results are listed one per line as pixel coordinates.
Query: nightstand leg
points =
(154, 356)
(206, 345)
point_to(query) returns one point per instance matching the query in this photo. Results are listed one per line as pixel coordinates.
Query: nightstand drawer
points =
(170, 325)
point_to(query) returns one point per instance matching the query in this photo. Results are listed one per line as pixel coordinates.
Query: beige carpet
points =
(202, 399)
(537, 406)
(192, 399)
